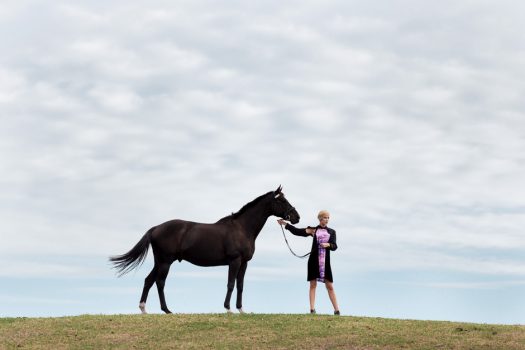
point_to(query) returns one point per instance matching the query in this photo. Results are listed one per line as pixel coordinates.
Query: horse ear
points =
(278, 191)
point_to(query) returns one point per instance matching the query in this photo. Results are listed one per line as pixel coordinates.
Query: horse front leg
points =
(240, 285)
(233, 271)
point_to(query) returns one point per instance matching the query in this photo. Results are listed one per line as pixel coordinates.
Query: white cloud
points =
(118, 99)
(10, 85)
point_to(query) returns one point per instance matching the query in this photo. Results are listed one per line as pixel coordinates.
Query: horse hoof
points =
(229, 311)
(241, 311)
(142, 307)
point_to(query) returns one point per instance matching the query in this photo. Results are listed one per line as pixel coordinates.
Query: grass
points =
(251, 331)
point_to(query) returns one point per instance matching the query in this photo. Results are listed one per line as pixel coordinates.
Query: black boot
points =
(312, 311)
(336, 312)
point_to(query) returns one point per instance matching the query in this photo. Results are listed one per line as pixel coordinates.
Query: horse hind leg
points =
(148, 282)
(163, 271)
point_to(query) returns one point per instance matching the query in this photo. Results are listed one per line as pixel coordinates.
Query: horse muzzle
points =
(292, 215)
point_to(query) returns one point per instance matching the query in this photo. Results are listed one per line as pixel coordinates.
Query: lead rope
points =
(299, 256)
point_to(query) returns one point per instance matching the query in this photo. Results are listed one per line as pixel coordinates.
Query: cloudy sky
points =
(405, 119)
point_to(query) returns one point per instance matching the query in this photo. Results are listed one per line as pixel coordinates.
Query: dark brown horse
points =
(230, 241)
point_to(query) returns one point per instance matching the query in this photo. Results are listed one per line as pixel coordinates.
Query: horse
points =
(230, 241)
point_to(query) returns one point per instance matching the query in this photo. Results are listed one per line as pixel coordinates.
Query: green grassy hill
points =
(251, 331)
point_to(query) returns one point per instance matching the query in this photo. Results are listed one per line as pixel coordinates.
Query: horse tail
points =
(135, 257)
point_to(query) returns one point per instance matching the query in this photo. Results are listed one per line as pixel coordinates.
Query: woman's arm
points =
(332, 241)
(297, 231)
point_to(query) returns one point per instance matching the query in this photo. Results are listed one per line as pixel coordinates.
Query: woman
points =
(319, 268)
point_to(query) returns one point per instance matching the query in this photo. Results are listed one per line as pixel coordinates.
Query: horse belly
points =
(205, 260)
(204, 252)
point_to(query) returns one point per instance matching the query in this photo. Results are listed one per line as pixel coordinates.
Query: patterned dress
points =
(319, 266)
(322, 237)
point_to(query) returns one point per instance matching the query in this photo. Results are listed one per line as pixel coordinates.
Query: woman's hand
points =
(282, 222)
(325, 245)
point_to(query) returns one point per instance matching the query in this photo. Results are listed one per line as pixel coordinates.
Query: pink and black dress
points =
(319, 267)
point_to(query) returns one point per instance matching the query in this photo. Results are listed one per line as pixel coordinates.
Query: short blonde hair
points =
(323, 213)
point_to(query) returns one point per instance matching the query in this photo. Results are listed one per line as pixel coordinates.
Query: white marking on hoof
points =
(229, 311)
(241, 311)
(142, 307)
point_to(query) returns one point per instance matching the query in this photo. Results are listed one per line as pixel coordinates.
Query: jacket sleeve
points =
(296, 231)
(333, 240)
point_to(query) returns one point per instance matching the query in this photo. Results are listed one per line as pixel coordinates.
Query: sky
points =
(404, 119)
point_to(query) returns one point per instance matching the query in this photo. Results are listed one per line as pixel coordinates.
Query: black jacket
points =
(313, 260)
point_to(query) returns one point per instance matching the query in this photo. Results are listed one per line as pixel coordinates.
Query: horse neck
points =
(254, 218)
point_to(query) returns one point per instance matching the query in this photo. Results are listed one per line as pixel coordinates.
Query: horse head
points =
(282, 208)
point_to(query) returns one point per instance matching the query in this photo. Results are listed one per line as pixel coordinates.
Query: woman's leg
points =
(331, 294)
(313, 285)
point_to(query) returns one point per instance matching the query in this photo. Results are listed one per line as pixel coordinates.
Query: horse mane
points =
(244, 208)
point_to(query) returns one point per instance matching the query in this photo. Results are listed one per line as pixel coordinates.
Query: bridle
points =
(299, 256)
(286, 217)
